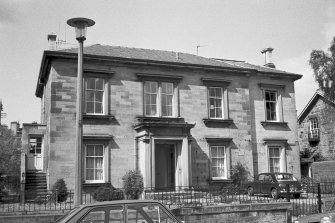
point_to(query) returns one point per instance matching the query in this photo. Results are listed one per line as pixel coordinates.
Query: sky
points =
(234, 29)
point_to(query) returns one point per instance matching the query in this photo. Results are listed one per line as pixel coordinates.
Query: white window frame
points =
(272, 102)
(104, 162)
(33, 146)
(314, 127)
(104, 91)
(216, 98)
(224, 157)
(281, 157)
(159, 96)
(278, 89)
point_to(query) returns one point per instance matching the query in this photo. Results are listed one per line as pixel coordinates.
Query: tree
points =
(10, 156)
(323, 65)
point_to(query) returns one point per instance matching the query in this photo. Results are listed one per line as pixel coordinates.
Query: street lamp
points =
(80, 25)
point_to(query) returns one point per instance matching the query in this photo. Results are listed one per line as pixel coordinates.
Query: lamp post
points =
(80, 25)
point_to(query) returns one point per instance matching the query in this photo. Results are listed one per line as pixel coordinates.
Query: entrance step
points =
(36, 185)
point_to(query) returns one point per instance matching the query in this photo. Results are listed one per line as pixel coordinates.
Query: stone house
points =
(316, 131)
(181, 119)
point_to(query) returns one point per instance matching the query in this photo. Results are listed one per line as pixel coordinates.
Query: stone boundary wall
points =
(323, 171)
(242, 213)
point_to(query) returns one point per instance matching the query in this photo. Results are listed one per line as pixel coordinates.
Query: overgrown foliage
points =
(107, 193)
(10, 158)
(60, 190)
(133, 184)
(323, 65)
(239, 174)
(312, 153)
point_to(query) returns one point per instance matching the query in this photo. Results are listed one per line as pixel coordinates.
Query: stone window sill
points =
(223, 121)
(101, 117)
(266, 123)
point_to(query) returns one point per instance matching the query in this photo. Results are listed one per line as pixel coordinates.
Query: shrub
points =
(61, 190)
(239, 174)
(107, 193)
(133, 184)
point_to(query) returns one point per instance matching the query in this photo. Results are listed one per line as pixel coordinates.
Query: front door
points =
(35, 153)
(165, 166)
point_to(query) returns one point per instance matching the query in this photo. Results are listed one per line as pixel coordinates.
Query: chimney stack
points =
(52, 41)
(14, 126)
(268, 57)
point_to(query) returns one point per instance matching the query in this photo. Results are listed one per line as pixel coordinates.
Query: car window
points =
(96, 215)
(261, 177)
(285, 176)
(153, 213)
(116, 214)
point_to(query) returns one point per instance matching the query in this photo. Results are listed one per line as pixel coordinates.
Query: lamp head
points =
(80, 25)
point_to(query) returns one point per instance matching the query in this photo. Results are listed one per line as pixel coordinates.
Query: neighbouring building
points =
(316, 132)
(182, 120)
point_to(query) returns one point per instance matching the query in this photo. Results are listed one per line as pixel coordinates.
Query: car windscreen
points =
(284, 176)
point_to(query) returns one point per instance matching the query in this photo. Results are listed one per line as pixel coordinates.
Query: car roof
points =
(275, 173)
(119, 202)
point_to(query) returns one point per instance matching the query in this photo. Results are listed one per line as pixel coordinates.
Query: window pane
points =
(90, 83)
(99, 150)
(90, 107)
(89, 95)
(89, 150)
(99, 96)
(89, 174)
(116, 215)
(167, 88)
(98, 108)
(94, 216)
(99, 84)
(89, 162)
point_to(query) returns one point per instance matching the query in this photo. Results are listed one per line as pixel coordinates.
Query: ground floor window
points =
(94, 163)
(276, 159)
(218, 162)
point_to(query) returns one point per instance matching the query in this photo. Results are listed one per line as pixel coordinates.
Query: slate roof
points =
(154, 57)
(170, 57)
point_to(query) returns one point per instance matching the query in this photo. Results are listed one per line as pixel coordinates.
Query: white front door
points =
(35, 153)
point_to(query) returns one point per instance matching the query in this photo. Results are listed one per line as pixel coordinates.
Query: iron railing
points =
(311, 201)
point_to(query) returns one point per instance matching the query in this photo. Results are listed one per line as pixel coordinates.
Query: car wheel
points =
(274, 193)
(296, 196)
(250, 191)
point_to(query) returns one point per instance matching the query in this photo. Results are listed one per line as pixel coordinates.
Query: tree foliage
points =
(9, 152)
(323, 65)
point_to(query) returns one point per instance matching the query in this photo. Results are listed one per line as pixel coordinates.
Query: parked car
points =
(274, 185)
(327, 217)
(121, 211)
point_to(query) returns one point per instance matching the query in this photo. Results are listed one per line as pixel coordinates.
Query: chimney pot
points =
(52, 41)
(268, 57)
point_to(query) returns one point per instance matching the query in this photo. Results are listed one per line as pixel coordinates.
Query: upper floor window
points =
(271, 105)
(314, 127)
(159, 99)
(217, 90)
(216, 100)
(94, 95)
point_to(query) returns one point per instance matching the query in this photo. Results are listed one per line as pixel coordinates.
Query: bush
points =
(107, 193)
(239, 174)
(61, 190)
(133, 184)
